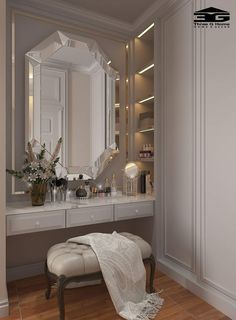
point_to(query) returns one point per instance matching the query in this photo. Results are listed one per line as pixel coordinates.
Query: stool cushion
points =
(72, 259)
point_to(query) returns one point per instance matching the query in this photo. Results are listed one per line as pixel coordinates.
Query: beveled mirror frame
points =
(42, 54)
(59, 24)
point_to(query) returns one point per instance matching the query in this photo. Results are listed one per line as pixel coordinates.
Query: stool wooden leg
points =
(49, 281)
(152, 273)
(61, 283)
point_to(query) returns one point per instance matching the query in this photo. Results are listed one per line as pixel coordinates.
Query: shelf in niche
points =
(146, 100)
(147, 34)
(146, 159)
(145, 130)
(147, 70)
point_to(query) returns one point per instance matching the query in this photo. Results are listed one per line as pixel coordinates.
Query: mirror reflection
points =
(72, 92)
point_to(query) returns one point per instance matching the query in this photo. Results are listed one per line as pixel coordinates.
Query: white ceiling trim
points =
(85, 17)
(77, 17)
(152, 12)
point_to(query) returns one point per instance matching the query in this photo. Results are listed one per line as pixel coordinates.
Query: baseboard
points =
(4, 308)
(31, 270)
(25, 271)
(189, 281)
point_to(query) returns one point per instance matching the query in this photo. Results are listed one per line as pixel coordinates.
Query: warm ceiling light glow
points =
(146, 30)
(147, 99)
(127, 80)
(146, 130)
(146, 69)
(127, 107)
(31, 75)
(127, 46)
(109, 62)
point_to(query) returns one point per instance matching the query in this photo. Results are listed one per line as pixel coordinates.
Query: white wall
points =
(3, 292)
(198, 171)
(79, 119)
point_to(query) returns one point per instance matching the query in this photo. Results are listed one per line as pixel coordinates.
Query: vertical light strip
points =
(13, 102)
(13, 109)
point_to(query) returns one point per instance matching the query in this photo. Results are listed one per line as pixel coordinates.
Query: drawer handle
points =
(136, 210)
(37, 224)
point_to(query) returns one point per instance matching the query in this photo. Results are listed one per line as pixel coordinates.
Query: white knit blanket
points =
(124, 274)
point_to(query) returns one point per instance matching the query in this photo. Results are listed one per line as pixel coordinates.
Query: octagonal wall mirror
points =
(70, 93)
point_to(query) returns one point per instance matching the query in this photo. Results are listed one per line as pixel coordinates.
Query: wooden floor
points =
(27, 301)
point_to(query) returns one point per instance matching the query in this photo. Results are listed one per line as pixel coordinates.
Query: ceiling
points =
(123, 10)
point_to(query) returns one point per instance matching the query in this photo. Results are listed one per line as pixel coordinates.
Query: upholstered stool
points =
(72, 262)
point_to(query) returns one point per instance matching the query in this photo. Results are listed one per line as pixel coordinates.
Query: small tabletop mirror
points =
(130, 179)
(131, 170)
(70, 93)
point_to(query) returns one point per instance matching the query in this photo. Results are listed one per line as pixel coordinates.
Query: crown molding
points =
(87, 19)
(78, 17)
(57, 9)
(155, 11)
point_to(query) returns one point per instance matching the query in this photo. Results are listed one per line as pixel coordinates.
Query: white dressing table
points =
(22, 218)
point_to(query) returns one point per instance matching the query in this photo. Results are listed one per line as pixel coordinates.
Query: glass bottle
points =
(107, 187)
(113, 185)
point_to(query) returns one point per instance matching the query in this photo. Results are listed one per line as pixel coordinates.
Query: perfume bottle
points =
(107, 187)
(87, 189)
(113, 186)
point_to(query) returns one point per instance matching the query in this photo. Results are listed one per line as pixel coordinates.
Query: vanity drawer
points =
(134, 210)
(92, 215)
(41, 221)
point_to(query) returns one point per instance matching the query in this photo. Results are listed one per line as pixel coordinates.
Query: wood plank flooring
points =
(27, 302)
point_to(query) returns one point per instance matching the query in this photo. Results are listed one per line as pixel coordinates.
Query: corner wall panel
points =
(219, 156)
(178, 156)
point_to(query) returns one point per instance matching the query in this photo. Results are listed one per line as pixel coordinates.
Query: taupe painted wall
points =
(32, 248)
(3, 292)
(29, 32)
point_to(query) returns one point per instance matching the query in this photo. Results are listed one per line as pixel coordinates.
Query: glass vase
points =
(38, 194)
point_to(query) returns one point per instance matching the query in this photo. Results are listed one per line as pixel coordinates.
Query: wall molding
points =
(4, 308)
(203, 213)
(82, 18)
(176, 7)
(156, 10)
(3, 63)
(90, 19)
(199, 274)
(190, 281)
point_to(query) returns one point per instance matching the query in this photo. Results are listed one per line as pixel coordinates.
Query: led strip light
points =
(147, 99)
(146, 30)
(146, 69)
(146, 130)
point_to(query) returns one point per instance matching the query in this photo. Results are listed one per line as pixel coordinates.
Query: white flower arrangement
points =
(37, 169)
